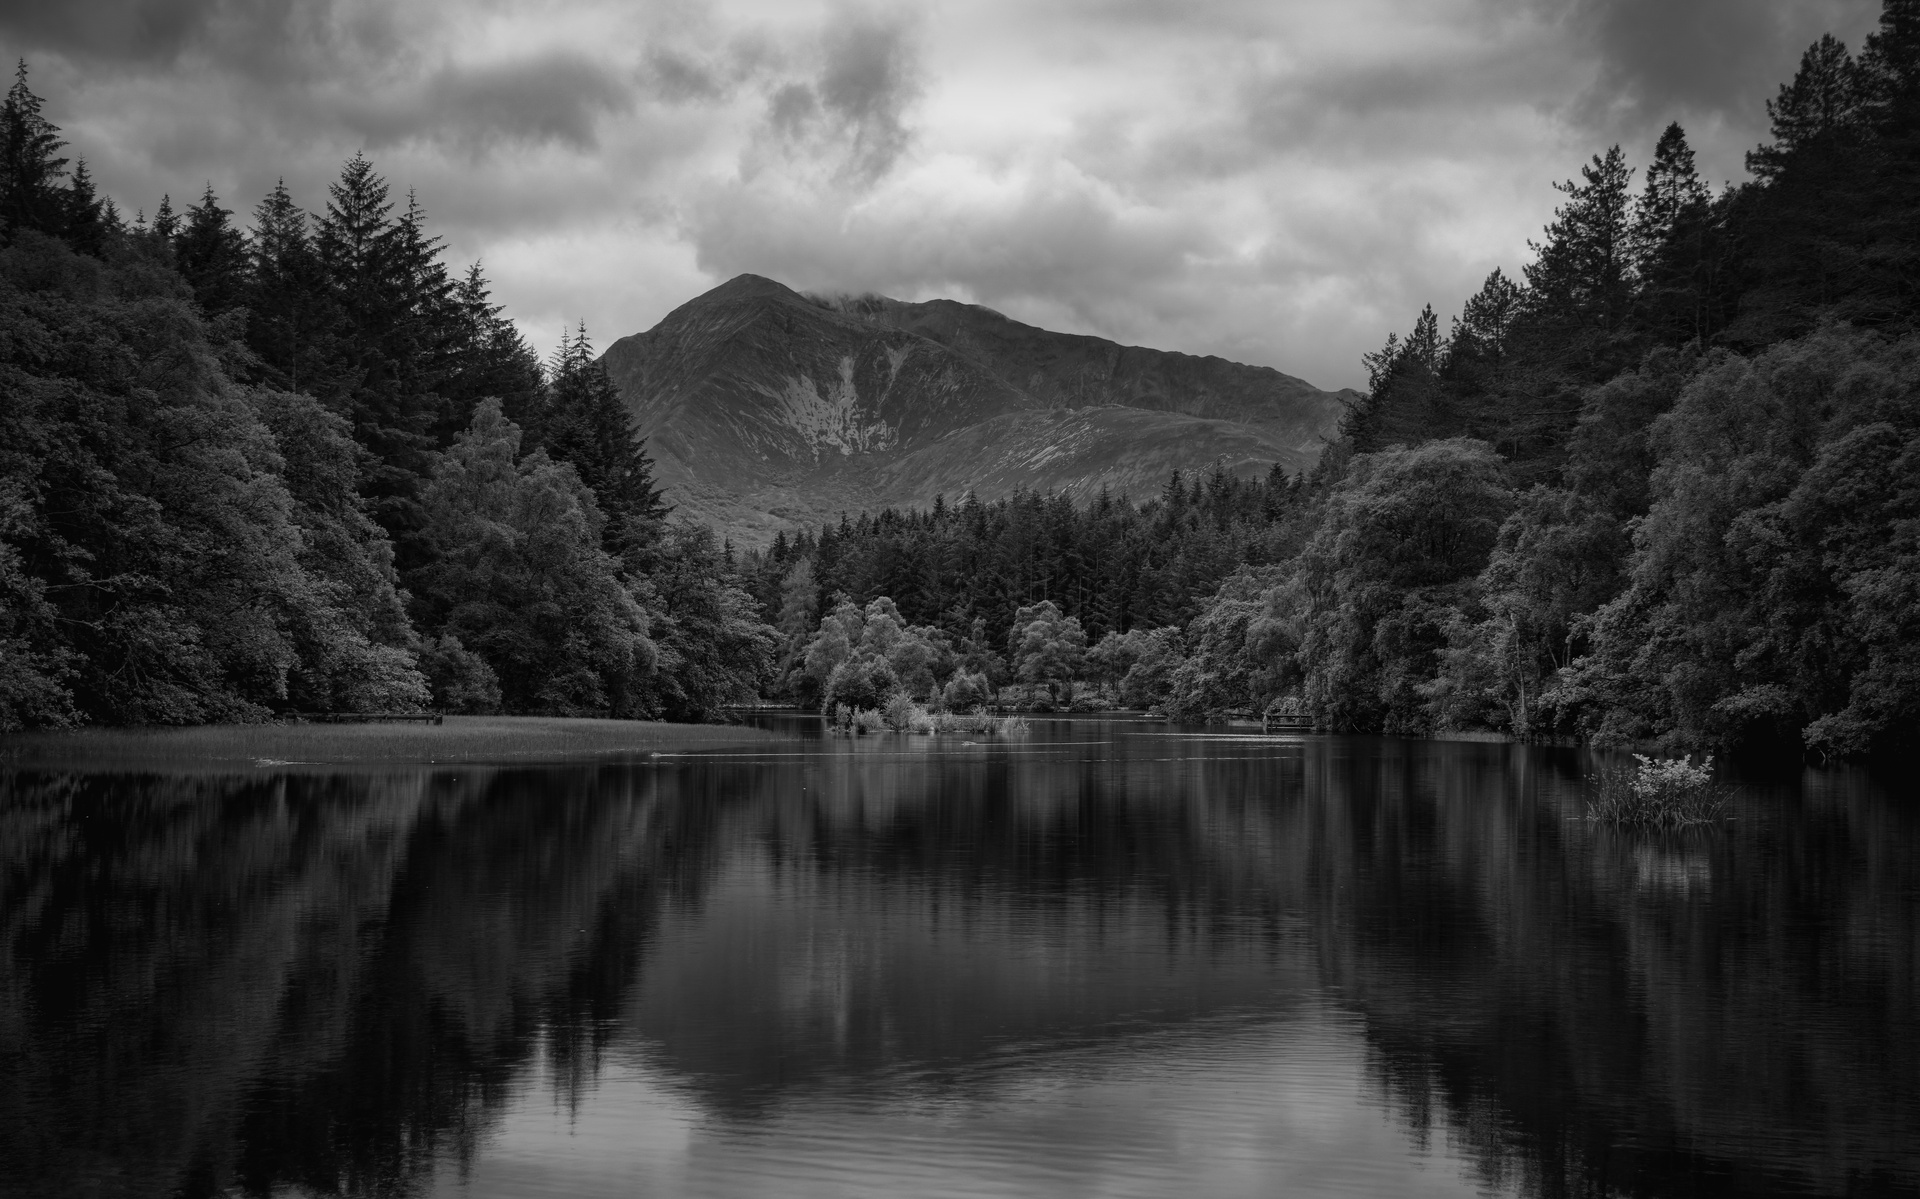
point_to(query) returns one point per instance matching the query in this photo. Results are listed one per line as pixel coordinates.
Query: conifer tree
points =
(1482, 334)
(369, 261)
(1678, 247)
(1581, 281)
(212, 254)
(166, 223)
(293, 324)
(584, 421)
(30, 167)
(488, 358)
(1819, 109)
(85, 219)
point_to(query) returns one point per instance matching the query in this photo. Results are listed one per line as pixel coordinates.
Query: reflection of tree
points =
(1593, 1013)
(329, 981)
(320, 980)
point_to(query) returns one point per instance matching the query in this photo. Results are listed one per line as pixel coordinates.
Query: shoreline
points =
(461, 740)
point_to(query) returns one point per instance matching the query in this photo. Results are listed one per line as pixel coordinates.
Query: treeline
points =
(304, 466)
(1113, 562)
(1664, 487)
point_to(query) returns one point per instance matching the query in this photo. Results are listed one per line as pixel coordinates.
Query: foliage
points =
(1138, 665)
(1114, 564)
(1046, 646)
(966, 691)
(224, 451)
(862, 658)
(167, 562)
(583, 420)
(714, 651)
(1670, 793)
(519, 578)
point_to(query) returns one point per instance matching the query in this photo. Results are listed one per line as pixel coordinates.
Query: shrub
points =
(966, 691)
(903, 715)
(1665, 793)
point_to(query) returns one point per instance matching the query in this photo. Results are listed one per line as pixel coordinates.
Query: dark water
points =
(1105, 961)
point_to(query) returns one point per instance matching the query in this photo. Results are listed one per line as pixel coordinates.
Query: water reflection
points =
(1108, 960)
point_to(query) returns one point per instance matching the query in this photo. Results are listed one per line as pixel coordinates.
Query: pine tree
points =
(1830, 225)
(293, 325)
(369, 261)
(212, 254)
(585, 422)
(30, 170)
(1581, 281)
(1889, 67)
(1677, 247)
(426, 328)
(166, 225)
(85, 219)
(489, 358)
(1405, 400)
(1822, 106)
(1482, 333)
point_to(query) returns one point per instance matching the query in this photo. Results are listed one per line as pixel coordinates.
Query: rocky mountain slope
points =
(765, 409)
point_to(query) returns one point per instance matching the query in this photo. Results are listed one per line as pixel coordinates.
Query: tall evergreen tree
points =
(370, 261)
(212, 254)
(293, 324)
(1679, 247)
(585, 422)
(85, 219)
(488, 358)
(31, 196)
(1820, 108)
(1582, 277)
(166, 223)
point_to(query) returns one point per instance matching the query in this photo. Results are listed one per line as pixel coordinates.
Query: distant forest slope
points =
(1660, 488)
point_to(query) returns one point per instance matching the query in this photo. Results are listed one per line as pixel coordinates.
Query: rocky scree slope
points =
(765, 409)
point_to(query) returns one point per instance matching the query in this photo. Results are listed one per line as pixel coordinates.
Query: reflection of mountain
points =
(325, 981)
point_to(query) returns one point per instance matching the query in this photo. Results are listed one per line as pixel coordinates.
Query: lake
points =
(1108, 959)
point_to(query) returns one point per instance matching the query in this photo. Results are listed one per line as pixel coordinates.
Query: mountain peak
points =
(749, 287)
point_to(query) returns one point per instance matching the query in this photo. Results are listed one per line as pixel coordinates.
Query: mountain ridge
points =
(767, 409)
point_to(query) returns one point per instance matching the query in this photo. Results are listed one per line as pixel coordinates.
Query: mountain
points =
(766, 409)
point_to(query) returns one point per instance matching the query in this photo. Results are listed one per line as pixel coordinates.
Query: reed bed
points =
(905, 716)
(1657, 793)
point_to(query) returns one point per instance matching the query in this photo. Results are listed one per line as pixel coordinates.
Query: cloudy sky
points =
(1278, 182)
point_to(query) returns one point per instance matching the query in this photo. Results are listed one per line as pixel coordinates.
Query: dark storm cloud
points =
(552, 97)
(867, 78)
(140, 31)
(1662, 60)
(868, 82)
(281, 41)
(681, 78)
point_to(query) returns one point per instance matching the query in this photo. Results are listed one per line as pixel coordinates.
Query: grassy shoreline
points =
(502, 740)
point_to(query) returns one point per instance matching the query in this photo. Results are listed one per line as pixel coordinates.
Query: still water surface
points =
(1107, 960)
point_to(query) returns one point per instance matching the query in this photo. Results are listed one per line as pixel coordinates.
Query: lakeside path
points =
(462, 739)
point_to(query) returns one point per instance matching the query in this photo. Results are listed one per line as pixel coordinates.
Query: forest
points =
(306, 467)
(1662, 488)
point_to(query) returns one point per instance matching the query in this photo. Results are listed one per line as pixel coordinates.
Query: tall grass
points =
(902, 715)
(1658, 793)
